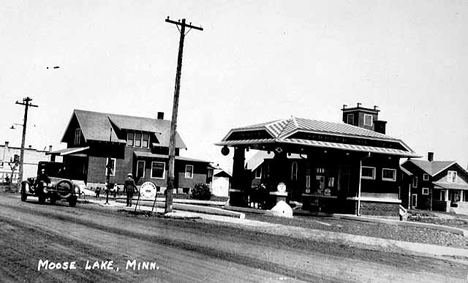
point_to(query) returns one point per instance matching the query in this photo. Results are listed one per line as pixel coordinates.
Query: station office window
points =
(388, 174)
(157, 169)
(189, 171)
(258, 173)
(368, 172)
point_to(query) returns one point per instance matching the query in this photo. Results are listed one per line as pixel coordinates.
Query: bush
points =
(201, 192)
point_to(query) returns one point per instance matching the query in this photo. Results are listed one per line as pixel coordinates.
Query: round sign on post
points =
(148, 190)
(281, 187)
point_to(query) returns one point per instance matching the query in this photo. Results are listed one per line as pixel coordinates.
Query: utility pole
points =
(170, 178)
(26, 103)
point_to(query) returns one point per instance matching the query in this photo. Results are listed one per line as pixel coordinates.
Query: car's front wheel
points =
(24, 188)
(42, 198)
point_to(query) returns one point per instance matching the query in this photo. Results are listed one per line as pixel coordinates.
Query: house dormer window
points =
(77, 136)
(145, 142)
(130, 137)
(452, 176)
(368, 119)
(137, 139)
(350, 119)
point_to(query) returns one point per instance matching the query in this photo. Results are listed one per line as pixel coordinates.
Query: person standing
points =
(130, 188)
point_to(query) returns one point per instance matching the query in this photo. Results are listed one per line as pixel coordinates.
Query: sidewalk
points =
(362, 242)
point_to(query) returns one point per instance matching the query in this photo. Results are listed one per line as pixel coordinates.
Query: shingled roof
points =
(431, 167)
(300, 131)
(96, 126)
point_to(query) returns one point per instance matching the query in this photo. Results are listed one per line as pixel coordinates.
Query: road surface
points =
(88, 243)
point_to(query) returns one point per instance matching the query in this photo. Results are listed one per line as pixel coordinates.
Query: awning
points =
(322, 144)
(143, 154)
(68, 151)
(450, 186)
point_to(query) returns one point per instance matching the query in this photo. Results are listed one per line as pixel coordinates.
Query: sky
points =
(254, 61)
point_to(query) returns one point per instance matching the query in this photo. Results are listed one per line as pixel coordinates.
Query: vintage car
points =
(55, 186)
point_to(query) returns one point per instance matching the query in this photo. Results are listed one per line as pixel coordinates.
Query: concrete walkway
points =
(238, 219)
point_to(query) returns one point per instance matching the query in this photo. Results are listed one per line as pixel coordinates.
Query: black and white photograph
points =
(233, 141)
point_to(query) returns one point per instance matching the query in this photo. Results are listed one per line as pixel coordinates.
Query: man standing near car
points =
(129, 188)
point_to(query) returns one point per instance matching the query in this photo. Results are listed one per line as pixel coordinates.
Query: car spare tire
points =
(64, 188)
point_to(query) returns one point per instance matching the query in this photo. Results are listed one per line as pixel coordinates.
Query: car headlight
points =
(45, 189)
(77, 189)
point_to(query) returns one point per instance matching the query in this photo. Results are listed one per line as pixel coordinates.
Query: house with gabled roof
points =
(350, 167)
(436, 185)
(125, 144)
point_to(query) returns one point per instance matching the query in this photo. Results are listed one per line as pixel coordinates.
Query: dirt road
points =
(57, 243)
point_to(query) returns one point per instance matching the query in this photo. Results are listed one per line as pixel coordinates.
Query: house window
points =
(320, 170)
(130, 137)
(189, 171)
(157, 169)
(77, 136)
(110, 165)
(425, 177)
(145, 142)
(294, 169)
(140, 172)
(350, 119)
(368, 120)
(425, 191)
(388, 174)
(442, 195)
(368, 172)
(258, 173)
(415, 182)
(452, 176)
(137, 139)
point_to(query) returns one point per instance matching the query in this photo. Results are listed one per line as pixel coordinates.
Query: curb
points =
(454, 230)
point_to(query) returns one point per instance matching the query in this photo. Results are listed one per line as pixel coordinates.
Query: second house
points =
(130, 144)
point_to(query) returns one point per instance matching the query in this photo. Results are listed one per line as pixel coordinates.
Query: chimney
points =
(430, 156)
(380, 126)
(29, 146)
(160, 115)
(50, 148)
(6, 143)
